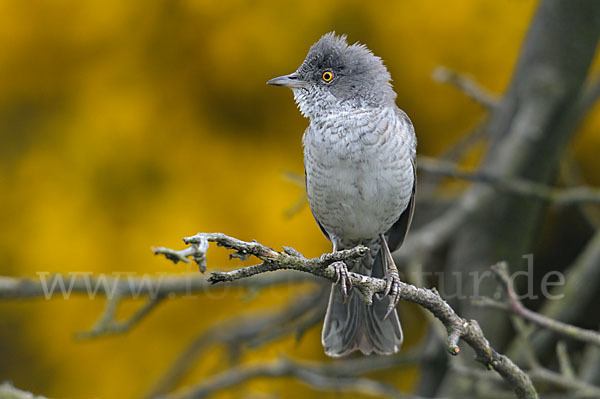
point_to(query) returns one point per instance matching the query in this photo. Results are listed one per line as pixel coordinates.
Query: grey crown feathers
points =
(359, 77)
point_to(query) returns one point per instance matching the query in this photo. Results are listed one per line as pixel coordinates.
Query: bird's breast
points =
(359, 174)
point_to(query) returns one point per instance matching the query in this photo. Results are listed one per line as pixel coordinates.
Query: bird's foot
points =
(392, 289)
(343, 278)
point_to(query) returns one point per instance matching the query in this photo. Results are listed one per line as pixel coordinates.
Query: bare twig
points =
(564, 362)
(524, 334)
(294, 178)
(540, 374)
(431, 181)
(339, 368)
(572, 175)
(304, 325)
(252, 329)
(297, 328)
(467, 85)
(107, 323)
(464, 143)
(564, 196)
(321, 377)
(119, 287)
(589, 370)
(289, 259)
(515, 306)
(575, 387)
(423, 242)
(195, 251)
(50, 286)
(436, 233)
(298, 180)
(297, 206)
(457, 327)
(582, 279)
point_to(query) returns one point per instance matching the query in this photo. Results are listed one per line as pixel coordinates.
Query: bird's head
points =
(336, 76)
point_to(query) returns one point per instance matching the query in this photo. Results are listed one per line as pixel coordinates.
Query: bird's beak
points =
(292, 80)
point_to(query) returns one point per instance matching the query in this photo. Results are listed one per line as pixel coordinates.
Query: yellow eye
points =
(327, 76)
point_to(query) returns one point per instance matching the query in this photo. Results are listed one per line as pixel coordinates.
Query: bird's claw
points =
(342, 278)
(392, 289)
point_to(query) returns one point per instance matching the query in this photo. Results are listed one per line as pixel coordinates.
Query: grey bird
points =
(359, 160)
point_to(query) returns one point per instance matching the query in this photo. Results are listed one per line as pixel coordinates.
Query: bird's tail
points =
(354, 325)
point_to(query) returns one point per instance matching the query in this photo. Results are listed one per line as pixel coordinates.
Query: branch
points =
(572, 175)
(456, 150)
(564, 361)
(529, 133)
(431, 236)
(465, 84)
(120, 287)
(429, 183)
(589, 370)
(421, 243)
(576, 388)
(196, 251)
(328, 377)
(289, 259)
(297, 328)
(582, 280)
(561, 197)
(108, 324)
(234, 332)
(515, 306)
(541, 374)
(298, 180)
(456, 327)
(65, 284)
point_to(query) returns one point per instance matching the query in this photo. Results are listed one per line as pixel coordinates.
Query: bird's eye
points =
(327, 76)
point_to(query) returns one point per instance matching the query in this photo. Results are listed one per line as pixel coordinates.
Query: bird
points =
(360, 174)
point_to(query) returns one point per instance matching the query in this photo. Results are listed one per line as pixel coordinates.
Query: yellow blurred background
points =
(127, 124)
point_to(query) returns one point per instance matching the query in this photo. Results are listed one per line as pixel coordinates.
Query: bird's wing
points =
(315, 216)
(397, 233)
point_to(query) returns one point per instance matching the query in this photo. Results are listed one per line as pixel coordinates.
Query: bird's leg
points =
(391, 277)
(341, 271)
